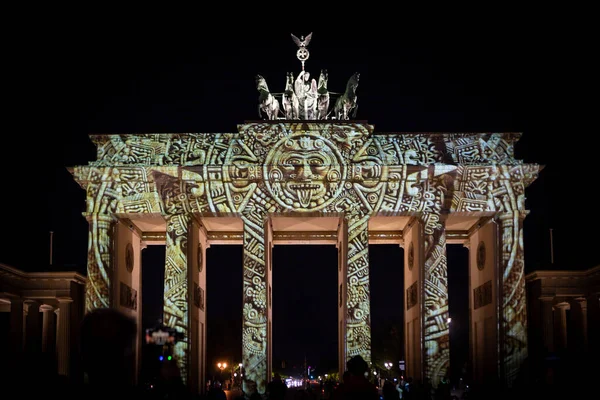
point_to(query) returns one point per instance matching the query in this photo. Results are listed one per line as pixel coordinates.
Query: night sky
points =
(98, 78)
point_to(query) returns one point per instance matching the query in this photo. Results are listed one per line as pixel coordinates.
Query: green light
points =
(169, 358)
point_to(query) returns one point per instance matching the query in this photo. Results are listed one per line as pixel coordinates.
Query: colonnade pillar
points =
(100, 260)
(547, 322)
(178, 282)
(357, 335)
(561, 324)
(63, 340)
(16, 324)
(33, 341)
(436, 330)
(512, 308)
(583, 324)
(427, 334)
(48, 328)
(256, 312)
(483, 304)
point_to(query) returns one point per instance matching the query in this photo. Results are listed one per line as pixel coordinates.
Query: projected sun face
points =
(304, 172)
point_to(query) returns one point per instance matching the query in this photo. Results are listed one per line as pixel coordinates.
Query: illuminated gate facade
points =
(420, 190)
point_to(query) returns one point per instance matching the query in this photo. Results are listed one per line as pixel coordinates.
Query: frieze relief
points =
(305, 167)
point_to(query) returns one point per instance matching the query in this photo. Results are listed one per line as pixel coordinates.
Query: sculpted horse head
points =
(289, 100)
(348, 101)
(323, 78)
(352, 84)
(267, 103)
(261, 85)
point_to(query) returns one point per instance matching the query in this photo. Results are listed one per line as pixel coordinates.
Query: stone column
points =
(358, 292)
(100, 260)
(561, 321)
(34, 331)
(255, 312)
(176, 309)
(48, 329)
(413, 298)
(547, 322)
(16, 324)
(342, 247)
(436, 329)
(511, 291)
(584, 323)
(57, 313)
(24, 325)
(63, 339)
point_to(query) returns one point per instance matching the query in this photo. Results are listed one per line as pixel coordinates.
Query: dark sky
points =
(456, 76)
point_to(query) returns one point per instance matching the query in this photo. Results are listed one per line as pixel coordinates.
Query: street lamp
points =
(388, 365)
(222, 366)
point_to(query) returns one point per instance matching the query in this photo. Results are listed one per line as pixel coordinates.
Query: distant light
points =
(374, 372)
(240, 365)
(160, 358)
(449, 319)
(395, 380)
(169, 358)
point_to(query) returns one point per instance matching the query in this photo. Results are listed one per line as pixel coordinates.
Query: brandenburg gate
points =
(332, 181)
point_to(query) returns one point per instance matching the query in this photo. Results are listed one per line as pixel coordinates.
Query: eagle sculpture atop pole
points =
(302, 43)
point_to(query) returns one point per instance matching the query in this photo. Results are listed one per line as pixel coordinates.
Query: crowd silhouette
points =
(106, 356)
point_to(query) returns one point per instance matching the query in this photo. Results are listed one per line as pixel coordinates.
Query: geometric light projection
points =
(328, 168)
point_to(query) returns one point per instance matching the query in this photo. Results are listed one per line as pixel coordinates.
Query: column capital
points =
(582, 301)
(30, 304)
(46, 307)
(14, 299)
(508, 215)
(563, 306)
(64, 300)
(100, 217)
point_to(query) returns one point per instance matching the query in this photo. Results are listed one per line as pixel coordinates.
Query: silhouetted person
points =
(389, 391)
(216, 392)
(276, 388)
(357, 386)
(338, 392)
(251, 391)
(107, 353)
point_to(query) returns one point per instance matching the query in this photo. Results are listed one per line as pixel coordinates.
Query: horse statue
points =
(323, 97)
(346, 103)
(289, 101)
(267, 103)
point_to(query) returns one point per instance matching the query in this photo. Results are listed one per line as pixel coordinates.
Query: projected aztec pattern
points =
(320, 168)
